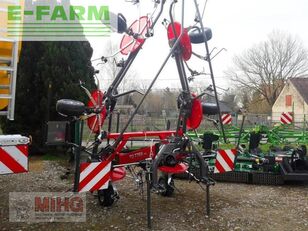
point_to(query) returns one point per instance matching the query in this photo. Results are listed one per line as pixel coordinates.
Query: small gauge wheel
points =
(168, 188)
(106, 196)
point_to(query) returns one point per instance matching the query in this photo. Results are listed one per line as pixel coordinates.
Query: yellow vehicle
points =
(9, 54)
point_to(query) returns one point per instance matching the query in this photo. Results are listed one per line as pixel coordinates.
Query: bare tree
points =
(169, 100)
(231, 99)
(199, 86)
(110, 69)
(258, 105)
(265, 67)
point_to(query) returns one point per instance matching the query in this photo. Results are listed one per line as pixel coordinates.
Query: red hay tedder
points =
(169, 151)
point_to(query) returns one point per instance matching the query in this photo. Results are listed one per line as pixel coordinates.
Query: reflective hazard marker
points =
(226, 119)
(13, 159)
(94, 176)
(225, 161)
(286, 118)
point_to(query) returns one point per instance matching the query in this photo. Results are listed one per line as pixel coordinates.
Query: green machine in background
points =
(274, 167)
(278, 135)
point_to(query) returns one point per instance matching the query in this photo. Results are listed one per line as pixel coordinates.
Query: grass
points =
(227, 146)
(51, 157)
(57, 154)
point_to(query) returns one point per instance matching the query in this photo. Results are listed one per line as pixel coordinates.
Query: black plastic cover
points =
(122, 25)
(209, 109)
(197, 37)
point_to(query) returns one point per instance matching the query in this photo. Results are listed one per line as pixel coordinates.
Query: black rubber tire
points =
(105, 196)
(70, 107)
(169, 189)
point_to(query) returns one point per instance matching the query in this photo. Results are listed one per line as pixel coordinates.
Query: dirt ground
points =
(233, 206)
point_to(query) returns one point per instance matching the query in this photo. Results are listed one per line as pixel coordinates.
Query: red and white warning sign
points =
(226, 119)
(225, 161)
(286, 118)
(94, 176)
(13, 154)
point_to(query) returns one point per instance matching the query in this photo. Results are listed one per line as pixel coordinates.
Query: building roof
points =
(224, 108)
(301, 85)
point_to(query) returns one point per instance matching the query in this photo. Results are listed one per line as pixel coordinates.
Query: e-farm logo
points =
(58, 20)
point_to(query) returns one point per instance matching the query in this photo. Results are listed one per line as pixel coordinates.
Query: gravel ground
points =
(233, 206)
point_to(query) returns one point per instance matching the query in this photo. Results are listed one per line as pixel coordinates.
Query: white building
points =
(293, 98)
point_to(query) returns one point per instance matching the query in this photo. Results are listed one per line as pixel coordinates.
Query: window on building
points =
(288, 100)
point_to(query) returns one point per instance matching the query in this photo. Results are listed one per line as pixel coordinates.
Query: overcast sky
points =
(236, 25)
